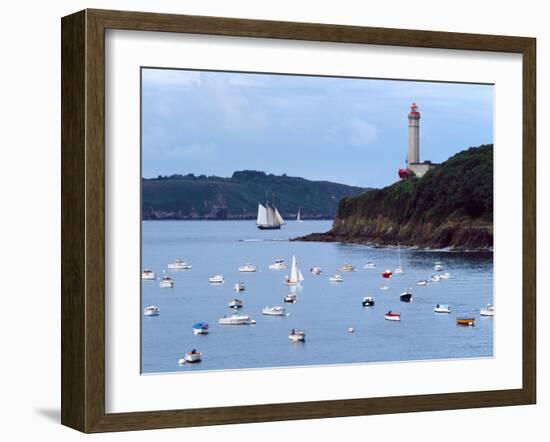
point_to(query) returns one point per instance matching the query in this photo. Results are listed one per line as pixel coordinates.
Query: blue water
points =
(324, 310)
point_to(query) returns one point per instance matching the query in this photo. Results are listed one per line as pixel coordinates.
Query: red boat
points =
(387, 274)
(393, 316)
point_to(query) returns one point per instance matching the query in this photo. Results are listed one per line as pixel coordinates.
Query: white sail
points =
(294, 271)
(278, 218)
(270, 216)
(300, 276)
(298, 216)
(262, 215)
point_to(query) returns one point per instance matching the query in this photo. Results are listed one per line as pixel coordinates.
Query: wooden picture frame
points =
(83, 220)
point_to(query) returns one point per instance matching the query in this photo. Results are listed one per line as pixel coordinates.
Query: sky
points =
(347, 130)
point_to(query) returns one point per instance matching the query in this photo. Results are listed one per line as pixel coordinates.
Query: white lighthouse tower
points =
(413, 154)
(414, 166)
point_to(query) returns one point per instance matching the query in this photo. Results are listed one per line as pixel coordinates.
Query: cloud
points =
(361, 132)
(190, 150)
(171, 77)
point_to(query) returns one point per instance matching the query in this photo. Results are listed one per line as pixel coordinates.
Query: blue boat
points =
(200, 328)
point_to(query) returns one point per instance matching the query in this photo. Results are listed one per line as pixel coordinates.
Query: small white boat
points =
(367, 301)
(247, 268)
(445, 275)
(148, 275)
(438, 266)
(423, 282)
(166, 282)
(488, 310)
(442, 308)
(234, 320)
(216, 279)
(274, 311)
(384, 287)
(398, 271)
(200, 328)
(193, 356)
(297, 335)
(151, 310)
(392, 316)
(235, 303)
(178, 264)
(369, 265)
(316, 270)
(296, 276)
(279, 264)
(351, 330)
(435, 278)
(336, 278)
(239, 286)
(290, 298)
(347, 268)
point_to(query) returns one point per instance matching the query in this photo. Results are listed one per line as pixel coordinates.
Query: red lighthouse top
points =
(414, 111)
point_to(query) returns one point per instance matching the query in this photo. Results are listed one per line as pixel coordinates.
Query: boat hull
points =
(392, 317)
(466, 322)
(273, 312)
(407, 297)
(264, 227)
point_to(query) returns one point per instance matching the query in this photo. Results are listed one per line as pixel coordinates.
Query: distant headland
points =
(451, 206)
(191, 197)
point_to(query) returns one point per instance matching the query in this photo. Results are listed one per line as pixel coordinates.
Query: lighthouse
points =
(414, 167)
(413, 154)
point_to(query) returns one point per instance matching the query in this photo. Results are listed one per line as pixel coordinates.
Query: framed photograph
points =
(267, 221)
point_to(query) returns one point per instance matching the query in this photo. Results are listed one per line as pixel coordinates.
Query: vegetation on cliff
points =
(237, 197)
(450, 206)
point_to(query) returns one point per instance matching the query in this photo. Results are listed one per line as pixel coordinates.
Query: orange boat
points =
(465, 321)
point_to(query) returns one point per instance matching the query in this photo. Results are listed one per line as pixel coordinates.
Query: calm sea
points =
(324, 310)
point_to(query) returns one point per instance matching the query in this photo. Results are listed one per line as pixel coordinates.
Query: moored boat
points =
(406, 296)
(247, 268)
(279, 264)
(235, 303)
(193, 356)
(234, 320)
(445, 275)
(166, 282)
(347, 268)
(151, 310)
(392, 316)
(316, 270)
(438, 266)
(367, 301)
(274, 311)
(387, 274)
(200, 328)
(465, 321)
(488, 310)
(442, 308)
(297, 335)
(216, 279)
(369, 265)
(435, 278)
(384, 287)
(422, 282)
(239, 286)
(178, 264)
(148, 275)
(290, 298)
(336, 278)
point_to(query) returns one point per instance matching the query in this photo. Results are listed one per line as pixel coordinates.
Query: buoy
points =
(181, 361)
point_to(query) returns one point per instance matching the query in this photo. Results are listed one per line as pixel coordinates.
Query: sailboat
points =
(296, 276)
(269, 218)
(298, 219)
(398, 270)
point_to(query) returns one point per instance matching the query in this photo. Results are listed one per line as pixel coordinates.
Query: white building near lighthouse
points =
(414, 166)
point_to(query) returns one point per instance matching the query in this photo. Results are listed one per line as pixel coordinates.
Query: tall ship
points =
(269, 217)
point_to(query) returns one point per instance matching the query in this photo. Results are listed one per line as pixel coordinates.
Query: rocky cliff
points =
(450, 207)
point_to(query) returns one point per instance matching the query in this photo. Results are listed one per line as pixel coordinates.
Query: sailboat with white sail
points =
(269, 217)
(296, 276)
(298, 218)
(399, 269)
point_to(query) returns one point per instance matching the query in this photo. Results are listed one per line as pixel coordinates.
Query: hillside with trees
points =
(450, 206)
(190, 197)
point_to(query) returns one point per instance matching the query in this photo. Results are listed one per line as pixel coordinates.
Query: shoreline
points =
(327, 237)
